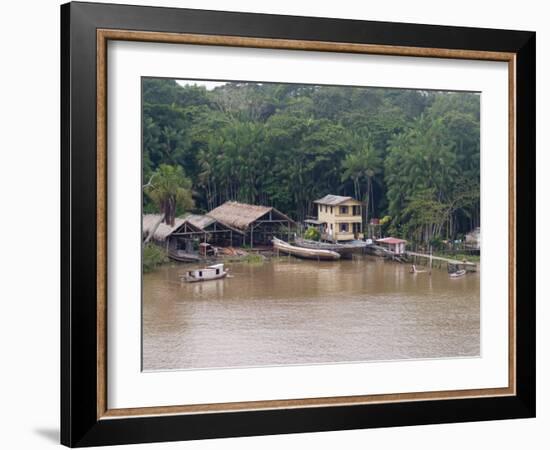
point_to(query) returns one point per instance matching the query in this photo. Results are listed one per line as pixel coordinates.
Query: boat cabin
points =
(213, 272)
(394, 245)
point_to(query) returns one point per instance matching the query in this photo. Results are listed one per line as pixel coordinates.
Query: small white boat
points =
(458, 273)
(415, 270)
(214, 272)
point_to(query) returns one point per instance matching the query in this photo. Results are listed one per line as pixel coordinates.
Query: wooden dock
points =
(470, 266)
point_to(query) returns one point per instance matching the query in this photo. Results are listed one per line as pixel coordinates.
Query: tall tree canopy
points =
(409, 154)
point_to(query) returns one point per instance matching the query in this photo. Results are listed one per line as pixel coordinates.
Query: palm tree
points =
(206, 177)
(352, 171)
(363, 163)
(169, 189)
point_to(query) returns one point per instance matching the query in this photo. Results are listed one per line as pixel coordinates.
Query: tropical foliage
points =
(170, 191)
(409, 154)
(312, 234)
(153, 256)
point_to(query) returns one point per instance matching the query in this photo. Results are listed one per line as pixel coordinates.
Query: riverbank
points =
(155, 257)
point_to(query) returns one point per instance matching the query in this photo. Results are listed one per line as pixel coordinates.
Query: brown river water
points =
(290, 311)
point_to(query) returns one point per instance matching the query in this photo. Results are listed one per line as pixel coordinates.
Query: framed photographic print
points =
(277, 224)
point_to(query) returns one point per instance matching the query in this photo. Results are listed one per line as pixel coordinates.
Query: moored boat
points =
(183, 256)
(415, 270)
(458, 273)
(302, 252)
(214, 272)
(345, 250)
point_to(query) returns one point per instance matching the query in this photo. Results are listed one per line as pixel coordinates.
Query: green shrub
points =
(387, 227)
(312, 234)
(385, 220)
(153, 256)
(253, 258)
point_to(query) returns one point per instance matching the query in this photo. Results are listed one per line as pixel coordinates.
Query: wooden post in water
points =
(288, 231)
(251, 237)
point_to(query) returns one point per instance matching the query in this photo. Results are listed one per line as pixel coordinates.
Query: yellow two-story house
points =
(340, 217)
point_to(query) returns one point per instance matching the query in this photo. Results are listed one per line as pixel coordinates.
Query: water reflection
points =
(291, 311)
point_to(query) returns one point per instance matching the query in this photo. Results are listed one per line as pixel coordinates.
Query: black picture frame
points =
(80, 425)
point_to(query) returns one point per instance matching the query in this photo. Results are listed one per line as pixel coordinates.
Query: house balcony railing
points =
(342, 236)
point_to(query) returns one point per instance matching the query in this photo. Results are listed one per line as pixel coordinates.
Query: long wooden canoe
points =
(307, 253)
(182, 256)
(346, 250)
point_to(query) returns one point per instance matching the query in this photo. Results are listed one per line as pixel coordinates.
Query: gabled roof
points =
(163, 230)
(201, 221)
(242, 215)
(391, 240)
(334, 199)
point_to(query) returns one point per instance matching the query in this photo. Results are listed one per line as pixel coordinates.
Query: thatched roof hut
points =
(242, 215)
(259, 224)
(205, 222)
(201, 221)
(162, 230)
(230, 223)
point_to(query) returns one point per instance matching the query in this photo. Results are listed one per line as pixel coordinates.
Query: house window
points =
(331, 226)
(356, 210)
(343, 209)
(344, 227)
(331, 209)
(357, 228)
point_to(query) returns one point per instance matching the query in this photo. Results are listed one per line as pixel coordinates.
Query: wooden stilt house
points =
(259, 224)
(213, 231)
